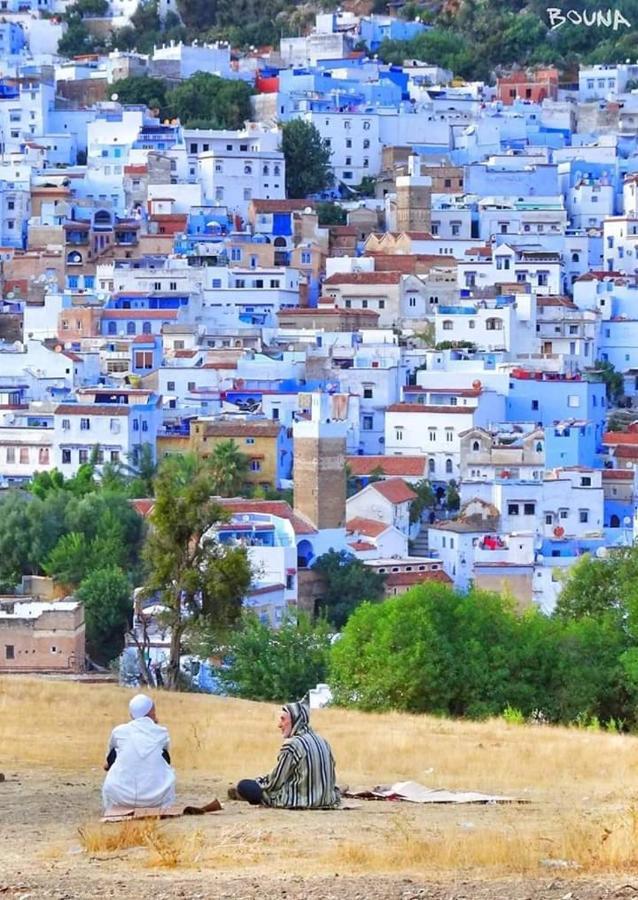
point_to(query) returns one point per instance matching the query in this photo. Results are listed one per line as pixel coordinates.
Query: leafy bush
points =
(281, 664)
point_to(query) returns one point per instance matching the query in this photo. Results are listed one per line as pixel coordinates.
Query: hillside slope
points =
(52, 743)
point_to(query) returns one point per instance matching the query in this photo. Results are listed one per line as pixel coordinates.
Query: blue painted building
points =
(571, 443)
(548, 398)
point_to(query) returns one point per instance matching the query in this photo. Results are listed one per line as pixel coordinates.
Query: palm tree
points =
(229, 467)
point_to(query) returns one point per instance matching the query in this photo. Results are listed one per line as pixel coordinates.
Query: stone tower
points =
(319, 466)
(414, 199)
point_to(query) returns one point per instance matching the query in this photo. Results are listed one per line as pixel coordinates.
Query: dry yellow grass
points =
(581, 785)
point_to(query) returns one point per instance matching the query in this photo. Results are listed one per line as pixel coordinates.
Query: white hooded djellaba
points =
(140, 776)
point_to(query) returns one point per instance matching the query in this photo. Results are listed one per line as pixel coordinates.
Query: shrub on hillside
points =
(439, 651)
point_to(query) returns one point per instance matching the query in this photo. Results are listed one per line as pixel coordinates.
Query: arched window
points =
(146, 328)
(476, 446)
(448, 467)
(102, 217)
(448, 325)
(130, 327)
(280, 242)
(112, 328)
(614, 522)
(575, 257)
(266, 169)
(366, 144)
(305, 554)
(431, 466)
(74, 258)
(276, 170)
(539, 447)
(248, 169)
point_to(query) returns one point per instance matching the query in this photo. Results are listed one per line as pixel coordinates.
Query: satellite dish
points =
(602, 553)
(115, 96)
(626, 521)
(10, 295)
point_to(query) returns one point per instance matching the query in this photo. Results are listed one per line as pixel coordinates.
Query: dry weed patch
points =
(588, 845)
(110, 838)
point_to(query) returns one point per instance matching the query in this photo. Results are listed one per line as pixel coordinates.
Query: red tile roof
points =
(627, 452)
(407, 262)
(143, 506)
(618, 475)
(389, 465)
(92, 409)
(227, 428)
(364, 278)
(457, 392)
(394, 489)
(222, 364)
(599, 276)
(268, 206)
(361, 546)
(369, 527)
(564, 302)
(144, 339)
(265, 589)
(479, 251)
(407, 579)
(620, 437)
(327, 311)
(422, 408)
(343, 230)
(238, 505)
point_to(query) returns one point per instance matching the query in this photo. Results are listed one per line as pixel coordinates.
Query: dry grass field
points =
(577, 836)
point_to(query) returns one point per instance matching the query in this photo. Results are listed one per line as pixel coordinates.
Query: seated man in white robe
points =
(138, 761)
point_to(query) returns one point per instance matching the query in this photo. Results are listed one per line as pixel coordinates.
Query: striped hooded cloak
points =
(304, 776)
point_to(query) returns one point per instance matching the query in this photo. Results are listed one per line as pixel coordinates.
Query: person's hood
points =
(146, 736)
(299, 716)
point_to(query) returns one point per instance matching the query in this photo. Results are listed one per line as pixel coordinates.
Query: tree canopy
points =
(188, 570)
(276, 664)
(347, 583)
(307, 158)
(440, 651)
(208, 101)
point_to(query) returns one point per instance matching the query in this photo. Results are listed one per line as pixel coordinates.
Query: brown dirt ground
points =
(41, 856)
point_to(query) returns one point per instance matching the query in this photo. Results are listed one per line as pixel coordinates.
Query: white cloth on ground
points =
(140, 776)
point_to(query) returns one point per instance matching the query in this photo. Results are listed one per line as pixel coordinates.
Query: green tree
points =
(425, 499)
(141, 470)
(198, 14)
(596, 586)
(108, 607)
(440, 651)
(76, 41)
(614, 382)
(229, 468)
(71, 559)
(193, 575)
(367, 187)
(44, 483)
(276, 664)
(452, 496)
(82, 8)
(307, 158)
(329, 213)
(210, 101)
(141, 89)
(348, 582)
